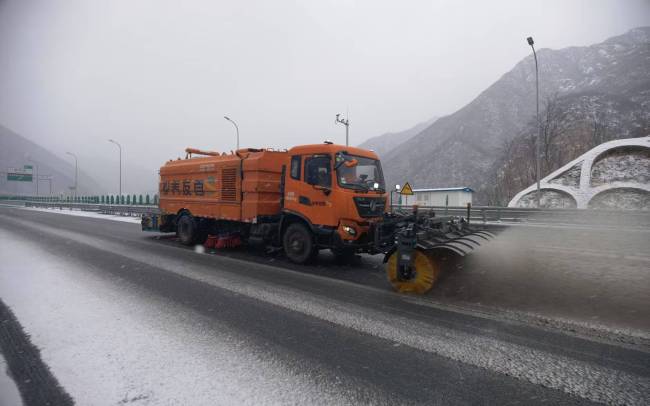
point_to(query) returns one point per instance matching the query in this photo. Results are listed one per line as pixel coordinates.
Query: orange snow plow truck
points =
(311, 197)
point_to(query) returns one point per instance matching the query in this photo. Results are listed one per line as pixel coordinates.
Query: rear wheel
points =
(187, 230)
(419, 279)
(298, 243)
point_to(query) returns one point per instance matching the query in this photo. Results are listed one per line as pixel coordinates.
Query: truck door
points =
(308, 190)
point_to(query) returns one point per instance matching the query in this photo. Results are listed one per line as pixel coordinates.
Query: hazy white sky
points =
(159, 75)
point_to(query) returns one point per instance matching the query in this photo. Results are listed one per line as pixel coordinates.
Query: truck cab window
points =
(364, 175)
(317, 171)
(295, 167)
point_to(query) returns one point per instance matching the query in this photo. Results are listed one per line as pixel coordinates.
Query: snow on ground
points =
(81, 213)
(572, 376)
(109, 344)
(9, 395)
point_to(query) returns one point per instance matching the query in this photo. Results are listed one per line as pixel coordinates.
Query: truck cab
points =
(339, 192)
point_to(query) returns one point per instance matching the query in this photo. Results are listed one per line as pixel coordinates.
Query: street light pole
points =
(538, 141)
(36, 165)
(397, 189)
(120, 147)
(236, 128)
(76, 172)
(346, 123)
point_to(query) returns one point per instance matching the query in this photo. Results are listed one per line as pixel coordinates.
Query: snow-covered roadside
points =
(577, 377)
(8, 391)
(92, 214)
(108, 343)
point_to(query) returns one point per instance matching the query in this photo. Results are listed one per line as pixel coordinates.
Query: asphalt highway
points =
(341, 327)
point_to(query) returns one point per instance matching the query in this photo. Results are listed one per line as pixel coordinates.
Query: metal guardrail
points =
(478, 214)
(117, 209)
(505, 215)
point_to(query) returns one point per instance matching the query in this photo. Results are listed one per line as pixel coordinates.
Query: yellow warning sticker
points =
(406, 190)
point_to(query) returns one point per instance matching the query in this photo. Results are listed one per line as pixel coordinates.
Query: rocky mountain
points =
(604, 84)
(17, 151)
(383, 144)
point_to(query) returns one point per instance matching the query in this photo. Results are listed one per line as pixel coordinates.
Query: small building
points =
(451, 196)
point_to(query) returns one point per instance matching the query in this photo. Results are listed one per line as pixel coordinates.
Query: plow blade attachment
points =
(426, 271)
(429, 252)
(459, 243)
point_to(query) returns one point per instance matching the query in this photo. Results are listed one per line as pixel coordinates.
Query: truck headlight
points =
(350, 230)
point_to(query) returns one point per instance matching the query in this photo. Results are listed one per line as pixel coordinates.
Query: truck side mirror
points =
(351, 163)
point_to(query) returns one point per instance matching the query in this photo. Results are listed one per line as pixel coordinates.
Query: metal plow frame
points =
(426, 234)
(460, 242)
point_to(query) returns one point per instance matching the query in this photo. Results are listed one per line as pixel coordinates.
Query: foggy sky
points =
(158, 76)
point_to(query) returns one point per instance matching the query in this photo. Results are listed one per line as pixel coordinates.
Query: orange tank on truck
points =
(308, 198)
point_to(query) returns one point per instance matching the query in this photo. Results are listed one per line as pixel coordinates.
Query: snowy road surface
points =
(123, 318)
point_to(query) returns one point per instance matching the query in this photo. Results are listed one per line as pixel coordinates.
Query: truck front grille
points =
(370, 206)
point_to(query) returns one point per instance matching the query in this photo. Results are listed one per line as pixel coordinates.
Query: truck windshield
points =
(357, 172)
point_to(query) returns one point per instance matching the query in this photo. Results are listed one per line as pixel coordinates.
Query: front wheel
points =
(298, 243)
(419, 279)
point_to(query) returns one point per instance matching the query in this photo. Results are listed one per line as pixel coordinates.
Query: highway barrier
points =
(524, 215)
(115, 209)
(477, 214)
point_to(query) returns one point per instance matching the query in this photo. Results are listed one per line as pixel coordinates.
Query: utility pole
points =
(35, 165)
(346, 123)
(76, 172)
(236, 129)
(120, 147)
(539, 135)
(397, 189)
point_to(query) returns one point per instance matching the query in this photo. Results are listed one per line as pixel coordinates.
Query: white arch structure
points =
(584, 192)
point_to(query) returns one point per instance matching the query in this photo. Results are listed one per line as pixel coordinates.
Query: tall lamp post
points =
(397, 189)
(120, 148)
(236, 128)
(346, 123)
(76, 172)
(36, 165)
(538, 141)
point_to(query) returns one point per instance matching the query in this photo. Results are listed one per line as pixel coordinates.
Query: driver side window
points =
(318, 171)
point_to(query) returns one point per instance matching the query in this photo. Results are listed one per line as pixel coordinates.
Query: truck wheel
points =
(186, 230)
(298, 243)
(420, 280)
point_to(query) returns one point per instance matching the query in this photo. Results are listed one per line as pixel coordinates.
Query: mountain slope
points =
(14, 153)
(461, 149)
(383, 144)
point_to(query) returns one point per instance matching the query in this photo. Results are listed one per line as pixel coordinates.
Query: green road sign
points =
(19, 177)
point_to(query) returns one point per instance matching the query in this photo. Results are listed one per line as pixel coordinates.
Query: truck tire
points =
(298, 243)
(186, 230)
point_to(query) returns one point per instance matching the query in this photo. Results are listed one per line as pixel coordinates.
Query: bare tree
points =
(599, 129)
(553, 126)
